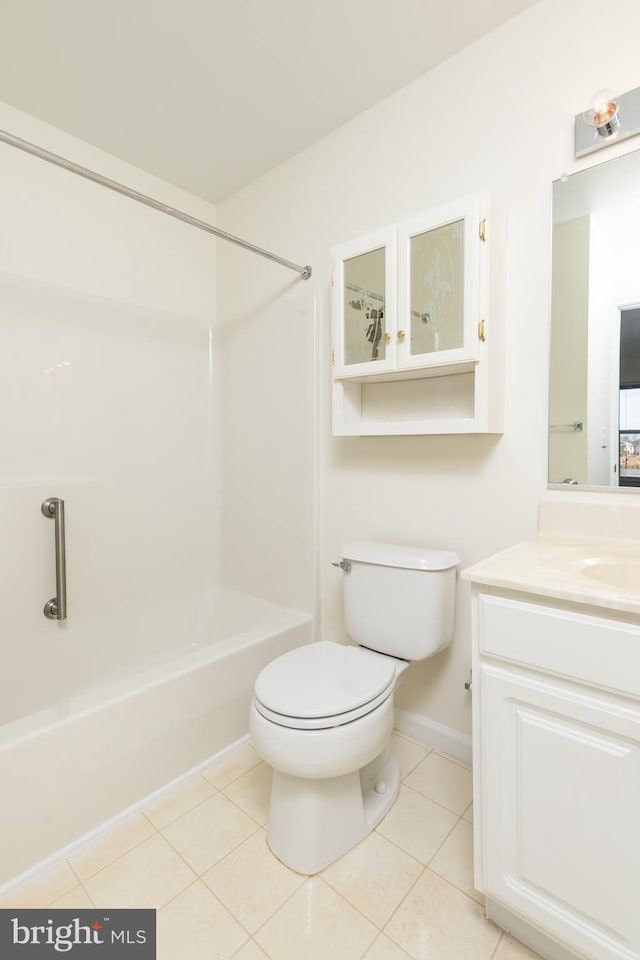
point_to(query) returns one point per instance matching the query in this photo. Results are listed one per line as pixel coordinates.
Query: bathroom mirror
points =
(594, 404)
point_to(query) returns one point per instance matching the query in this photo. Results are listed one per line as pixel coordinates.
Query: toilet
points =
(322, 714)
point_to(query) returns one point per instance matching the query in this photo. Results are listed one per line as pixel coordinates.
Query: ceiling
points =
(210, 94)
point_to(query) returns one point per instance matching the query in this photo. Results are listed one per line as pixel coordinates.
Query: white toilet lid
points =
(323, 679)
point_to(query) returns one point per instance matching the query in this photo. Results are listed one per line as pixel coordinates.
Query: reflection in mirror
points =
(629, 406)
(436, 289)
(364, 293)
(594, 402)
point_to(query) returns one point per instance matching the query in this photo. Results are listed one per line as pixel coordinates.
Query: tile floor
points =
(199, 856)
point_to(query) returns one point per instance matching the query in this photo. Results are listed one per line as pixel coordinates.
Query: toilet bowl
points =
(328, 743)
(322, 714)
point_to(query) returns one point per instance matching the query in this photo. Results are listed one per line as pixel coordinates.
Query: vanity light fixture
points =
(607, 118)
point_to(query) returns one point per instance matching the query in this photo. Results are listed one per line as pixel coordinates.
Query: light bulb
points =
(602, 113)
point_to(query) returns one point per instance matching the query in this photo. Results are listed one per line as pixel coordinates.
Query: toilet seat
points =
(323, 685)
(323, 723)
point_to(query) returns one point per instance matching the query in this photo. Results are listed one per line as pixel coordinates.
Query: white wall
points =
(498, 115)
(269, 436)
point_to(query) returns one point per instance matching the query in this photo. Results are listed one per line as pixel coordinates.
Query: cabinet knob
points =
(400, 335)
(387, 338)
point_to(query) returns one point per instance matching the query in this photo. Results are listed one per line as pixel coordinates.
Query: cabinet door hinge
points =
(482, 336)
(482, 230)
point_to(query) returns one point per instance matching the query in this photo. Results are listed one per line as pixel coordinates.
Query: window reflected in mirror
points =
(629, 408)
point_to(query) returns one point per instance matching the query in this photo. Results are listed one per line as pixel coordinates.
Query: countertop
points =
(566, 568)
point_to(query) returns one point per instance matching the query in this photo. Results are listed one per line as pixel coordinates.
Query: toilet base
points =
(313, 822)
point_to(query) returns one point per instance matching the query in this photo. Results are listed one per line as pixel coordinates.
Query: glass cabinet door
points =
(438, 279)
(364, 305)
(437, 294)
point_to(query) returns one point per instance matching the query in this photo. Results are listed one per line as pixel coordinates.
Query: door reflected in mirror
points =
(594, 403)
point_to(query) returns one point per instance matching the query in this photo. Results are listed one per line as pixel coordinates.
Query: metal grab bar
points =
(56, 608)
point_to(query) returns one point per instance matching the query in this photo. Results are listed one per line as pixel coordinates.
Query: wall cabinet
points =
(413, 304)
(557, 772)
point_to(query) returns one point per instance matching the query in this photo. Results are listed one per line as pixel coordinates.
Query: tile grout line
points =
(80, 884)
(198, 875)
(198, 879)
(353, 906)
(156, 831)
(452, 759)
(500, 939)
(235, 779)
(305, 879)
(390, 918)
(435, 854)
(193, 869)
(442, 877)
(160, 831)
(137, 845)
(427, 866)
(238, 807)
(418, 863)
(437, 802)
(453, 886)
(320, 878)
(91, 900)
(184, 814)
(115, 859)
(231, 913)
(240, 949)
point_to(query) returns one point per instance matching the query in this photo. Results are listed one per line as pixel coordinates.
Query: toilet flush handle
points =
(343, 564)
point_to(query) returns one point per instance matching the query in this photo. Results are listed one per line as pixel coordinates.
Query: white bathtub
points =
(68, 768)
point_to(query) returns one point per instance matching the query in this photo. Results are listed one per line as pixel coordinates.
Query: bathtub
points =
(74, 765)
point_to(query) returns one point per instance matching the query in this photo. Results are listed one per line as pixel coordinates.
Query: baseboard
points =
(433, 734)
(526, 933)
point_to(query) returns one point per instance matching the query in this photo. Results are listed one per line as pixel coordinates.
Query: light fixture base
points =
(626, 123)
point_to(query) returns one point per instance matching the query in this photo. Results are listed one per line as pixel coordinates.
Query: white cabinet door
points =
(364, 305)
(438, 286)
(561, 809)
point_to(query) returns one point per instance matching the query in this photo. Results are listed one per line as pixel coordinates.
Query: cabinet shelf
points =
(416, 405)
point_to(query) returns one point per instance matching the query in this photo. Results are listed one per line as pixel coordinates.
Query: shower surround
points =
(111, 397)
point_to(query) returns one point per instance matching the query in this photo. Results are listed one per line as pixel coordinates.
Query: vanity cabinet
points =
(417, 324)
(556, 703)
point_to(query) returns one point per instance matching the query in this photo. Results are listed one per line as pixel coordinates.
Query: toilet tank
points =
(399, 600)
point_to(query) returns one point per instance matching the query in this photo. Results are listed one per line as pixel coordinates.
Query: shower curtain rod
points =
(81, 171)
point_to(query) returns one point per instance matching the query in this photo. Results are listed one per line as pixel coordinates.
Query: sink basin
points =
(623, 573)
